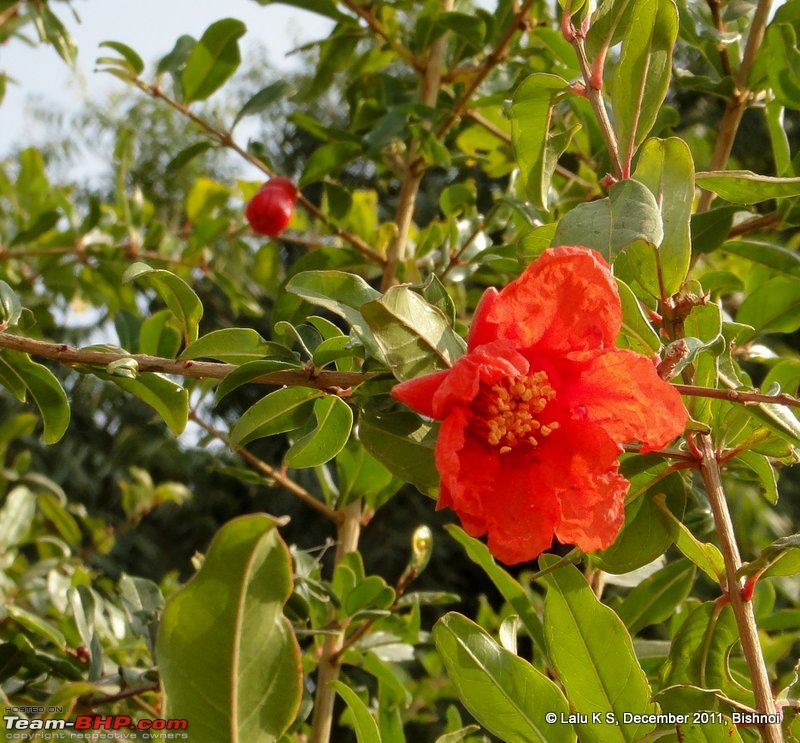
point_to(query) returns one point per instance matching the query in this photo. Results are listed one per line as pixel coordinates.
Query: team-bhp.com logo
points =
(95, 722)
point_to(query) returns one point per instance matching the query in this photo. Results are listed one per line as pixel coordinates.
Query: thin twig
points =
(269, 471)
(740, 98)
(456, 256)
(347, 533)
(330, 381)
(725, 60)
(119, 696)
(757, 223)
(741, 396)
(742, 610)
(491, 61)
(225, 139)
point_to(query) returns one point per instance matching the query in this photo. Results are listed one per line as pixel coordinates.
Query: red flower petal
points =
(566, 300)
(621, 391)
(580, 464)
(418, 393)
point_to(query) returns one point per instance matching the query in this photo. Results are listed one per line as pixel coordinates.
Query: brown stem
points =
(269, 472)
(119, 696)
(330, 381)
(595, 98)
(740, 98)
(757, 223)
(742, 610)
(348, 531)
(741, 396)
(366, 13)
(725, 60)
(225, 139)
(494, 58)
(414, 169)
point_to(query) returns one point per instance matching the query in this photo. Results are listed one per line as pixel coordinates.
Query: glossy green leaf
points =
(746, 187)
(629, 214)
(716, 731)
(642, 76)
(414, 336)
(17, 515)
(767, 254)
(213, 59)
(159, 335)
(341, 293)
(510, 589)
(36, 624)
(169, 399)
(364, 723)
(404, 444)
(783, 63)
(772, 307)
(133, 60)
(176, 59)
(230, 345)
(655, 599)
(705, 555)
(283, 410)
(710, 229)
(700, 652)
(765, 473)
(42, 387)
(329, 159)
(251, 371)
(334, 420)
(666, 167)
(175, 293)
(609, 24)
(280, 90)
(637, 333)
(531, 114)
(10, 306)
(593, 655)
(228, 657)
(507, 695)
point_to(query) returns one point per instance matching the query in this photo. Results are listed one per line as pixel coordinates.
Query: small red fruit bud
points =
(270, 210)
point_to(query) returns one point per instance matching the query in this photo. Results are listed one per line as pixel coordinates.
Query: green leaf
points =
(360, 475)
(609, 24)
(531, 114)
(134, 61)
(783, 63)
(176, 294)
(629, 214)
(760, 465)
(10, 306)
(642, 76)
(703, 554)
(325, 8)
(213, 59)
(655, 599)
(334, 420)
(56, 513)
(329, 159)
(230, 345)
(414, 336)
(710, 229)
(593, 655)
(44, 389)
(666, 167)
(510, 589)
(159, 336)
(17, 516)
(700, 652)
(250, 372)
(746, 187)
(36, 624)
(404, 444)
(228, 658)
(169, 399)
(185, 156)
(339, 292)
(766, 254)
(637, 333)
(508, 696)
(283, 410)
(772, 307)
(277, 91)
(364, 723)
(176, 59)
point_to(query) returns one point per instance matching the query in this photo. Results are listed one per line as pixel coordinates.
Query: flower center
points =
(512, 408)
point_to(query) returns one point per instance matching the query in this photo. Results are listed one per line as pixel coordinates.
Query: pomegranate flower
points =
(534, 414)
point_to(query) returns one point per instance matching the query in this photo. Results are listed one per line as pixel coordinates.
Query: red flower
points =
(533, 415)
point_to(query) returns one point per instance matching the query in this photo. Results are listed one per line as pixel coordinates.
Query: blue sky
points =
(151, 28)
